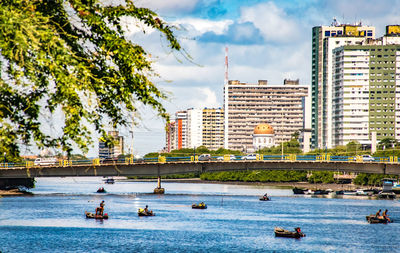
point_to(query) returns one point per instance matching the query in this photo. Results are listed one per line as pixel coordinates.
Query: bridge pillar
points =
(159, 189)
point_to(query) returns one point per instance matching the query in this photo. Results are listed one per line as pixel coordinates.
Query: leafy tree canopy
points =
(70, 58)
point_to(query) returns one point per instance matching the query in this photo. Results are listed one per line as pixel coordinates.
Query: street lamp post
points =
(5, 156)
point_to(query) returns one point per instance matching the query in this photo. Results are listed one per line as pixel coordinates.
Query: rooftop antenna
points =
(226, 66)
(226, 98)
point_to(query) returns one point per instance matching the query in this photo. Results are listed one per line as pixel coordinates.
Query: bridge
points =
(182, 165)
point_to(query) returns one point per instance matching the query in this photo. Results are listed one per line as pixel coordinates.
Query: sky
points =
(267, 40)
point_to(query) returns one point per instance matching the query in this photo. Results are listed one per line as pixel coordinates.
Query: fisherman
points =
(385, 216)
(378, 214)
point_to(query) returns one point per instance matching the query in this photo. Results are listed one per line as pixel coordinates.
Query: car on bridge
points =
(204, 157)
(250, 157)
(221, 158)
(366, 158)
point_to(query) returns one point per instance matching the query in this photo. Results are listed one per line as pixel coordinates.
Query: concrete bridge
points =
(182, 167)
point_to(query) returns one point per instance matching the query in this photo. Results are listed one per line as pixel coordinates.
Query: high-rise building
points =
(213, 128)
(116, 150)
(181, 128)
(366, 90)
(195, 127)
(170, 137)
(280, 106)
(324, 40)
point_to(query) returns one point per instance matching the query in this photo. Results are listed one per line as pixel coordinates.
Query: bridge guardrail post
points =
(161, 159)
(328, 157)
(192, 158)
(28, 164)
(96, 161)
(227, 158)
(257, 157)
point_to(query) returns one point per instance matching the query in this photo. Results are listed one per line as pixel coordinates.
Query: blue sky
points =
(266, 39)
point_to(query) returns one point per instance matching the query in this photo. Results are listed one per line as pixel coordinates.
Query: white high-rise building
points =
(195, 127)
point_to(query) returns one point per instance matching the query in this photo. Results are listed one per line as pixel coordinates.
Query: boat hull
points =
(94, 216)
(279, 232)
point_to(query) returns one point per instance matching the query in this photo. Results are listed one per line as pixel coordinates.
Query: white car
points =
(231, 158)
(204, 157)
(45, 161)
(250, 157)
(366, 158)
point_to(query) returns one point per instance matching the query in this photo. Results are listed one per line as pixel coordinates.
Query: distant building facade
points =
(116, 150)
(213, 128)
(247, 105)
(366, 85)
(324, 40)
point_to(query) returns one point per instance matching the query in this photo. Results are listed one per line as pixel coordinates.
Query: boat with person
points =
(145, 212)
(199, 206)
(280, 232)
(96, 216)
(372, 219)
(101, 190)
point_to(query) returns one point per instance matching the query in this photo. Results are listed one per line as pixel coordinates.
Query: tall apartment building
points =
(213, 128)
(170, 137)
(324, 40)
(248, 105)
(195, 127)
(181, 129)
(116, 150)
(367, 90)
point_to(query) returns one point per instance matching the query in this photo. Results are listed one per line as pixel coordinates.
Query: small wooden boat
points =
(280, 232)
(298, 190)
(199, 206)
(372, 219)
(101, 190)
(141, 212)
(94, 216)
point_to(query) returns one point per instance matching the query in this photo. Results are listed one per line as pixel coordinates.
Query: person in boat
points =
(202, 204)
(298, 230)
(146, 209)
(265, 196)
(100, 209)
(378, 214)
(385, 216)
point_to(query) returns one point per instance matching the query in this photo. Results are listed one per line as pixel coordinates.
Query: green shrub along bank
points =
(256, 176)
(325, 177)
(370, 179)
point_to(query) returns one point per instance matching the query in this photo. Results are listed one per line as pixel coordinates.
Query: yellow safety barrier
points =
(359, 159)
(65, 163)
(227, 158)
(162, 159)
(29, 164)
(192, 158)
(129, 160)
(393, 159)
(320, 157)
(96, 161)
(292, 157)
(328, 157)
(350, 158)
(257, 157)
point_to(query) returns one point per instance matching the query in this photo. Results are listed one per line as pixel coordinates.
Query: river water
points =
(52, 220)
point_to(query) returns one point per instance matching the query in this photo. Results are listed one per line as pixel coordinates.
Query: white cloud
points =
(205, 97)
(176, 6)
(196, 26)
(273, 22)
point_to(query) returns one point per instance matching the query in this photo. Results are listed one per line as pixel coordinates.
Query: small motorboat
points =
(142, 212)
(101, 190)
(372, 219)
(109, 181)
(299, 190)
(280, 232)
(264, 198)
(199, 206)
(96, 216)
